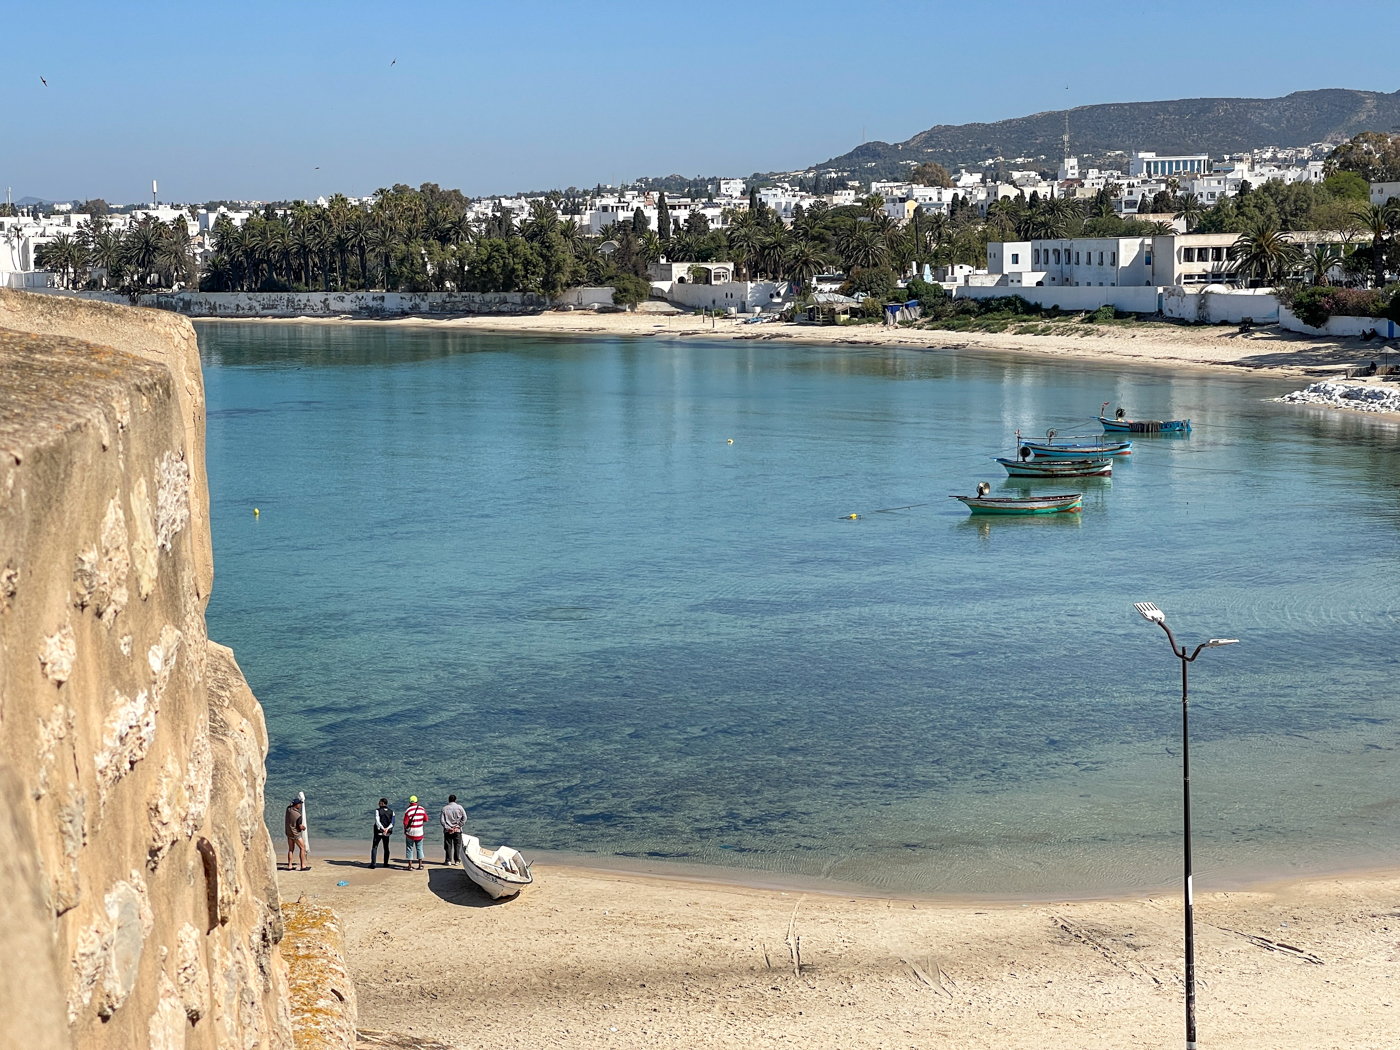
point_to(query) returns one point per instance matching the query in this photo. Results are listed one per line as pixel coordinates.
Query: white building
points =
(1384, 191)
(1149, 165)
(732, 188)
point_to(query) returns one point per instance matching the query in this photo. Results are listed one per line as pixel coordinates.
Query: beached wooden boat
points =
(982, 503)
(503, 873)
(1120, 424)
(1050, 467)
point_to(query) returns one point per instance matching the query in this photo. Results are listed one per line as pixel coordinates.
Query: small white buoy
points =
(731, 441)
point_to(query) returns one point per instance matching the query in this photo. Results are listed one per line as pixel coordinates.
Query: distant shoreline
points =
(1265, 351)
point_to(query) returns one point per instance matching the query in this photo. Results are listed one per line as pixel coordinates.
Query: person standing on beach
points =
(454, 819)
(383, 828)
(415, 820)
(295, 826)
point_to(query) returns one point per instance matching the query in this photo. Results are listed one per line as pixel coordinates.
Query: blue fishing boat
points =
(1120, 424)
(1052, 449)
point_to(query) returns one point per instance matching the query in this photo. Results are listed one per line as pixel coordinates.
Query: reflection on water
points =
(535, 573)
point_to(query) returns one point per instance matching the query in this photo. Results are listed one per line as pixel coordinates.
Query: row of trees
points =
(147, 254)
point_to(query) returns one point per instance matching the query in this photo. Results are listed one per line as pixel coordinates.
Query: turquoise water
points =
(535, 573)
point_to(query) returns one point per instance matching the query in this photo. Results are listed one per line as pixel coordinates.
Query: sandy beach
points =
(1268, 350)
(588, 958)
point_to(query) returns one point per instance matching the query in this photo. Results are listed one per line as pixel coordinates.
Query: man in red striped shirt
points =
(415, 821)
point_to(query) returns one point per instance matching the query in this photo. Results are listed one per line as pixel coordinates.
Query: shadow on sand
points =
(453, 886)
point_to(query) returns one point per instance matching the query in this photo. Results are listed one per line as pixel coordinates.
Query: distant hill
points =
(1193, 125)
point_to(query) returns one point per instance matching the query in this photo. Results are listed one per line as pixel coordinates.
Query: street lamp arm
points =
(1179, 651)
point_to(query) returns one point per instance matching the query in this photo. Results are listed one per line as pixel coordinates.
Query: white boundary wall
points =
(1210, 305)
(743, 296)
(1340, 327)
(330, 304)
(1144, 300)
(1216, 304)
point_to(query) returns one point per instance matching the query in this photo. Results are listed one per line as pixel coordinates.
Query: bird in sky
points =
(318, 167)
(391, 63)
(44, 82)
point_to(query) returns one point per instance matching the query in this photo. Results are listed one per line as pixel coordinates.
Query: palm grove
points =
(423, 239)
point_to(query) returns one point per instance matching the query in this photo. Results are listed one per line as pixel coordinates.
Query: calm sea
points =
(535, 572)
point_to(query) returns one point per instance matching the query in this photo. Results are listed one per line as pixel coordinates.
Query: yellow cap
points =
(413, 798)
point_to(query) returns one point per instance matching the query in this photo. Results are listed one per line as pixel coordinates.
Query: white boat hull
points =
(503, 873)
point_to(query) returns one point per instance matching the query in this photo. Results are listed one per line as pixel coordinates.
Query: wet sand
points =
(587, 958)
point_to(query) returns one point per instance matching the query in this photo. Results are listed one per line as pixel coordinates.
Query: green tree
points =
(663, 219)
(629, 290)
(1373, 155)
(931, 174)
(1348, 185)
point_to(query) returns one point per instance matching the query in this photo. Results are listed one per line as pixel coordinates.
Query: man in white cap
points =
(415, 821)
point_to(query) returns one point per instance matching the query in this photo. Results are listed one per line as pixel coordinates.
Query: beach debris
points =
(1109, 954)
(1363, 397)
(1275, 946)
(794, 942)
(935, 982)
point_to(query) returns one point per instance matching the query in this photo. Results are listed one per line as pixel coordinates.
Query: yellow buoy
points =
(255, 512)
(854, 516)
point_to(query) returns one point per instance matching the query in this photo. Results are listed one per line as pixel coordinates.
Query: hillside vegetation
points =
(1194, 125)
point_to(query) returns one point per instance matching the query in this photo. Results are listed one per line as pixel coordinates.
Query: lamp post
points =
(1152, 614)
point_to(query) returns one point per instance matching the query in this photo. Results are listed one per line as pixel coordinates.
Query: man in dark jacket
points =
(383, 828)
(454, 819)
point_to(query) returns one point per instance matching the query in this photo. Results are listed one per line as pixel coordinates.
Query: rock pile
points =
(1363, 397)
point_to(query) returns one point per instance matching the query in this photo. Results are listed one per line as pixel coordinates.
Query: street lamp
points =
(1152, 614)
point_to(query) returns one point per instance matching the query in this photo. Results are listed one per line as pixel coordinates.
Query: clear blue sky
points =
(248, 100)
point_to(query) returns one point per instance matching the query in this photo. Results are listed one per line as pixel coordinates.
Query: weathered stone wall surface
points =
(137, 876)
(152, 335)
(323, 1001)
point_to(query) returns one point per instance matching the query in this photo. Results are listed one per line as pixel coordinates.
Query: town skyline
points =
(296, 105)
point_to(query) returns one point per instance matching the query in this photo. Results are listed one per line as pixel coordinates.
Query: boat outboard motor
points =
(983, 488)
(1026, 453)
(1119, 414)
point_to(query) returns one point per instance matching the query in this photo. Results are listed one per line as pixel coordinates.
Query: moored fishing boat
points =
(1051, 467)
(983, 503)
(1120, 424)
(1079, 450)
(503, 873)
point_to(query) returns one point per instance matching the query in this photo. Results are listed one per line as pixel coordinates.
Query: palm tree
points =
(744, 239)
(1188, 209)
(142, 246)
(804, 260)
(1377, 221)
(1321, 261)
(1263, 253)
(357, 238)
(175, 259)
(861, 245)
(383, 239)
(105, 252)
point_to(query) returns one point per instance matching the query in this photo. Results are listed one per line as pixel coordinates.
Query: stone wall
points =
(138, 901)
(328, 304)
